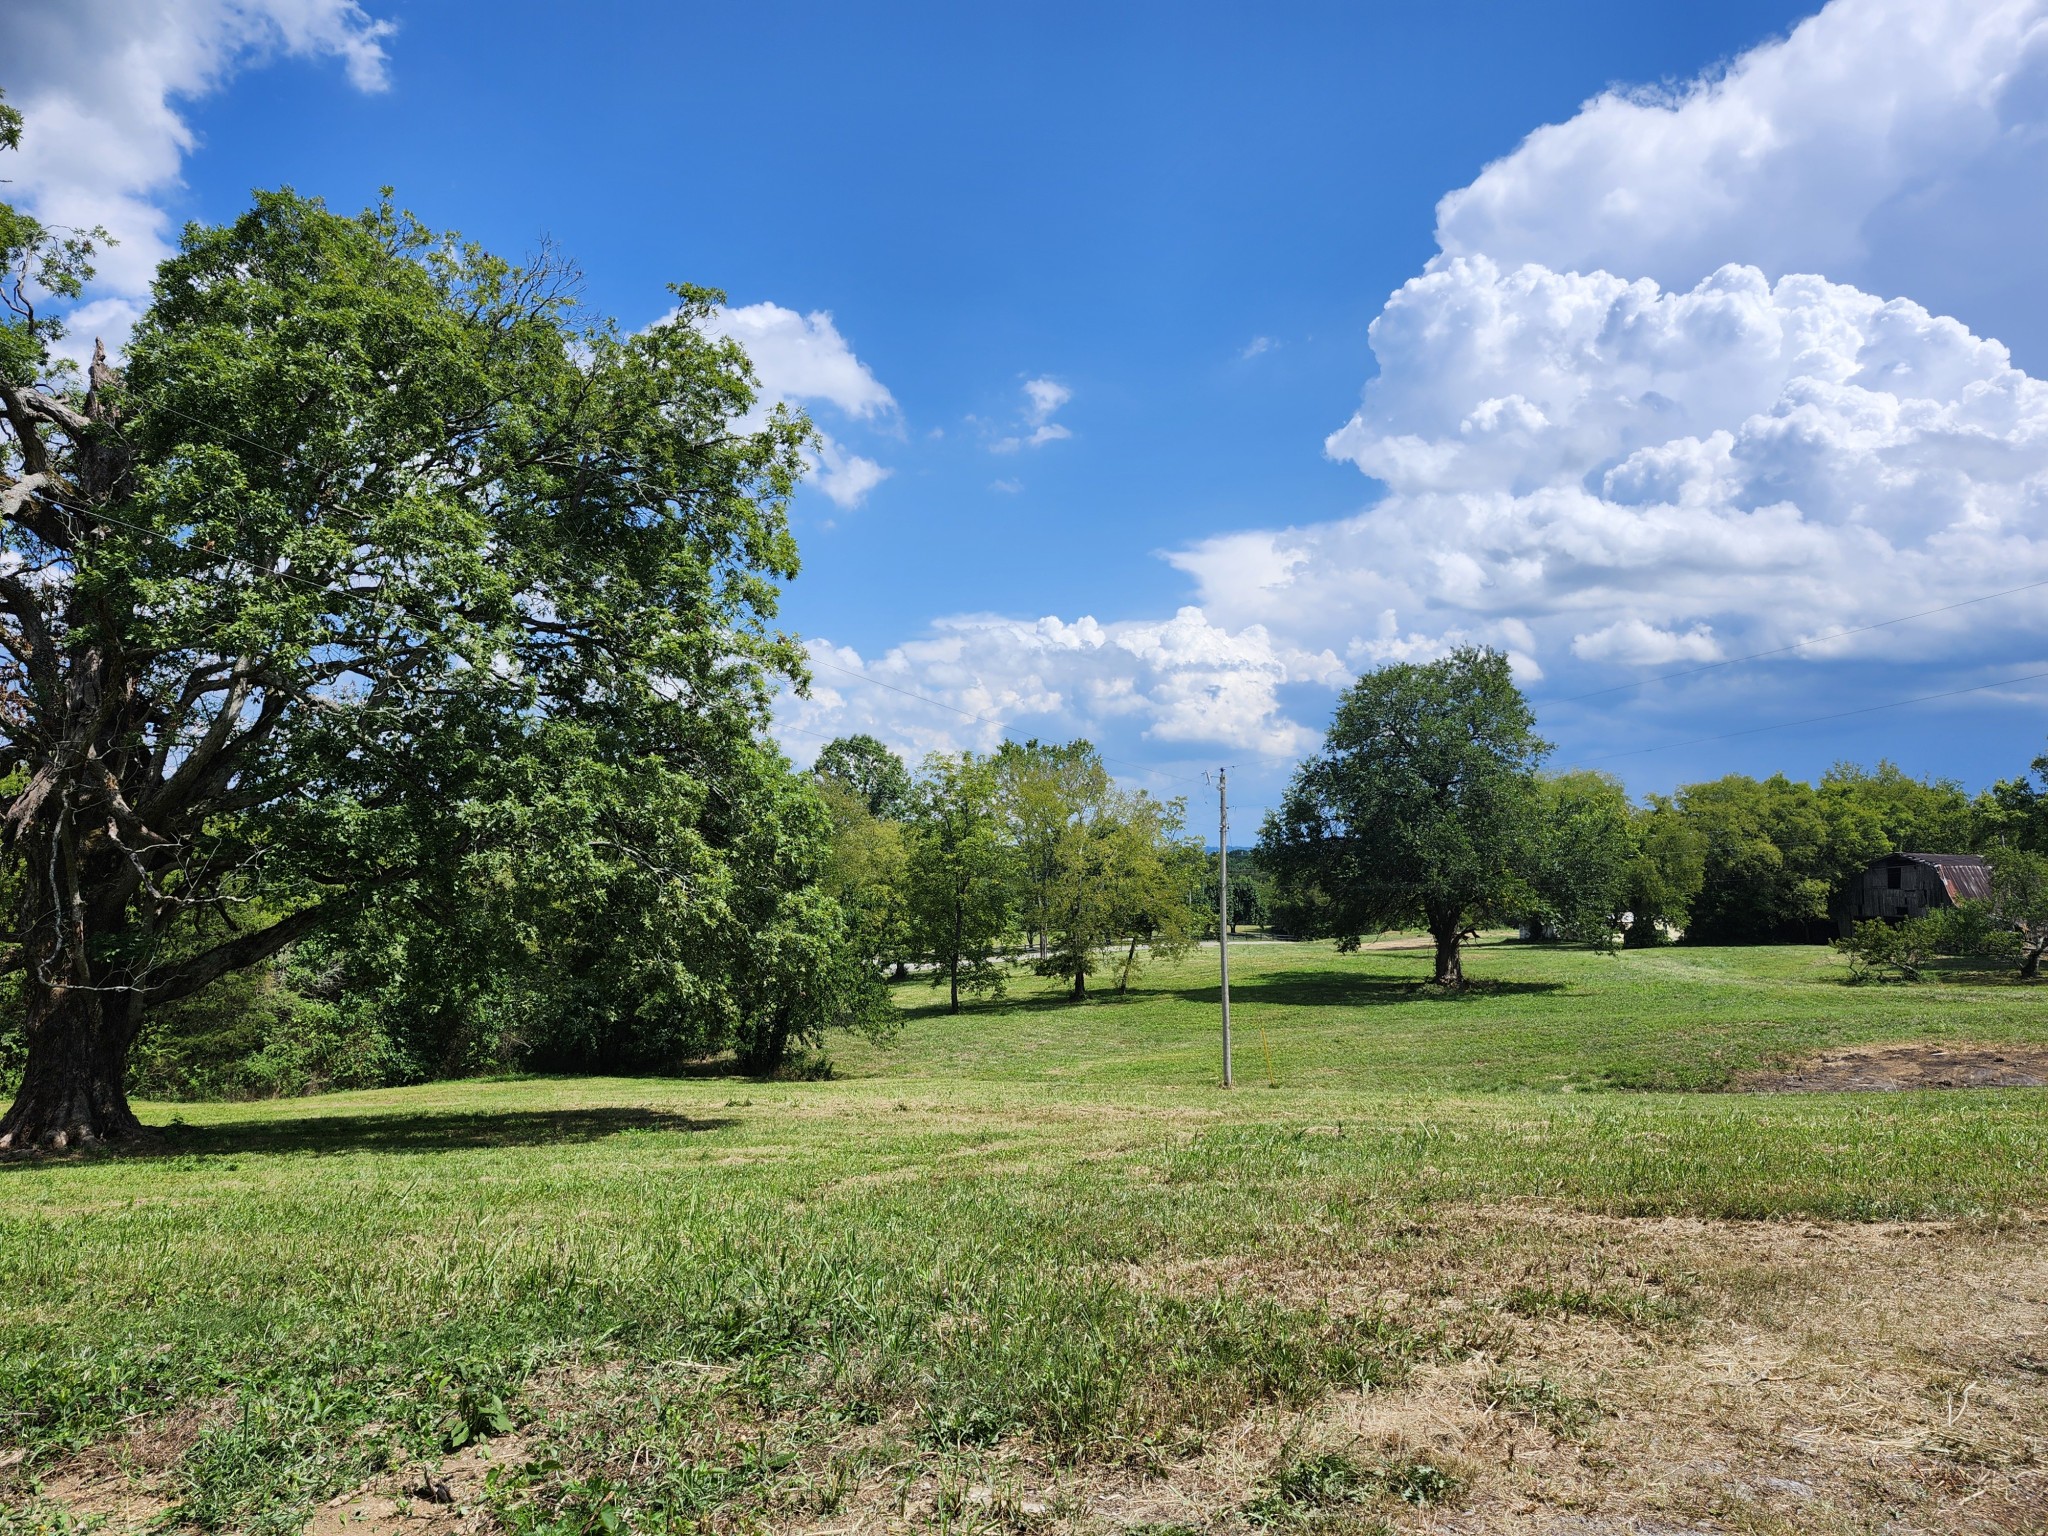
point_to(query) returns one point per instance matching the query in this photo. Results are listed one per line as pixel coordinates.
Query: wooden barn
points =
(1903, 885)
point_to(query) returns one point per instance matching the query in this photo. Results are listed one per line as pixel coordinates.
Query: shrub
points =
(1880, 951)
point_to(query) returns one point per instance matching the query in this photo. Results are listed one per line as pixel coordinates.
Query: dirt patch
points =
(425, 1499)
(1895, 1068)
(123, 1484)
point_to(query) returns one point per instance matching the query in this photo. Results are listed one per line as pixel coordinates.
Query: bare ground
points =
(1913, 1064)
(1667, 1377)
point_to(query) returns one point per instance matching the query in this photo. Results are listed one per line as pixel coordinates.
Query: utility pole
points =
(1223, 905)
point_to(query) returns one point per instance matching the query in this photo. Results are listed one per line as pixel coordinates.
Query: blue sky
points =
(1081, 297)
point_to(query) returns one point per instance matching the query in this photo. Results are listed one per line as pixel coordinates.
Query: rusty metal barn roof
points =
(1966, 875)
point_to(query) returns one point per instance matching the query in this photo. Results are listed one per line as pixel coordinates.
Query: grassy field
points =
(1473, 1264)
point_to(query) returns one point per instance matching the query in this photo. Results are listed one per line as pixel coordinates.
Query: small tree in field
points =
(958, 876)
(1422, 806)
(868, 873)
(1156, 875)
(2019, 901)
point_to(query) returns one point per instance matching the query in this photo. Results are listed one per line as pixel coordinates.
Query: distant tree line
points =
(1428, 806)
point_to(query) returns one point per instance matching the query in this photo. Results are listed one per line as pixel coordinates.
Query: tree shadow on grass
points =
(1056, 1001)
(1305, 988)
(1318, 988)
(423, 1131)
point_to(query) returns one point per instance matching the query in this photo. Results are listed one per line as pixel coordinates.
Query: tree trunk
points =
(1123, 982)
(953, 960)
(1080, 992)
(74, 1088)
(1450, 968)
(769, 1047)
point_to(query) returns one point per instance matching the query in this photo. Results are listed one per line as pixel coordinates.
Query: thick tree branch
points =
(188, 976)
(179, 788)
(74, 424)
(13, 405)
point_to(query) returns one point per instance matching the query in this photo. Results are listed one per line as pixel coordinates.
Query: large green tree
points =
(1046, 790)
(1155, 875)
(1913, 815)
(1584, 846)
(1421, 806)
(2015, 811)
(868, 768)
(868, 874)
(1666, 867)
(373, 536)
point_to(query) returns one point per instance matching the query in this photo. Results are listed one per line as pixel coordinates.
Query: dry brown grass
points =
(1646, 1376)
(1716, 1377)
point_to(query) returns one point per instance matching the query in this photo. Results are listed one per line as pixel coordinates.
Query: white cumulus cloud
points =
(1901, 145)
(803, 359)
(100, 83)
(1579, 463)
(1182, 679)
(1042, 399)
(1619, 423)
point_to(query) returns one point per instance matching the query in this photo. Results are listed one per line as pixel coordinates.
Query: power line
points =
(1800, 645)
(1844, 714)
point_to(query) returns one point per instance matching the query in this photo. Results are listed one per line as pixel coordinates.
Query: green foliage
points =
(868, 874)
(1098, 866)
(1664, 873)
(1586, 847)
(1250, 892)
(460, 611)
(1421, 806)
(1774, 852)
(871, 771)
(1542, 1399)
(1910, 815)
(1311, 1484)
(1047, 791)
(959, 875)
(260, 1033)
(1901, 951)
(2013, 813)
(1325, 1482)
(2019, 903)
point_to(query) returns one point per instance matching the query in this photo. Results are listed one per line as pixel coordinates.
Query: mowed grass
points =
(1537, 1017)
(711, 1298)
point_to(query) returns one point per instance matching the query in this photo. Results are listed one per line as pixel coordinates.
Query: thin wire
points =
(1844, 714)
(1800, 645)
(213, 426)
